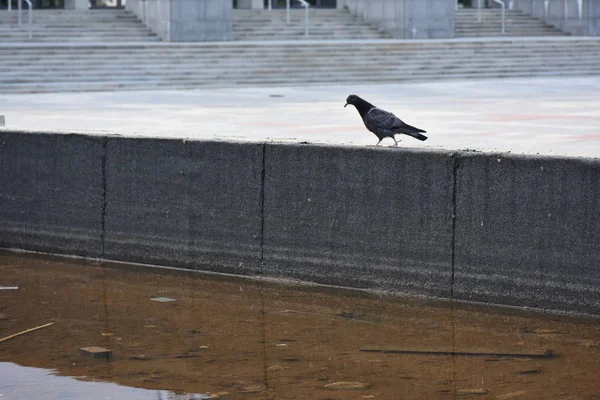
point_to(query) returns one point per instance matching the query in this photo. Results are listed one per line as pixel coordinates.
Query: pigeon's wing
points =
(381, 119)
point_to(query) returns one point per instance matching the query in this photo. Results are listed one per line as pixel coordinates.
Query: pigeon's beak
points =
(346, 105)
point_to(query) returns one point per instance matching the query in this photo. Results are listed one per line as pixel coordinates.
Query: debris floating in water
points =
(25, 331)
(347, 386)
(163, 299)
(541, 353)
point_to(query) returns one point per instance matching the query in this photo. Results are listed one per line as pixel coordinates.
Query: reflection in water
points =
(36, 383)
(238, 339)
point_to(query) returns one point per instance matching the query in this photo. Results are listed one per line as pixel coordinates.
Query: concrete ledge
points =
(191, 204)
(505, 229)
(361, 217)
(51, 194)
(528, 231)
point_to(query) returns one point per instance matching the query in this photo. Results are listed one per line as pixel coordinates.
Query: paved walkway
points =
(534, 115)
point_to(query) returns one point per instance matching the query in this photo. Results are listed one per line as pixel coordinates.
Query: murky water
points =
(238, 339)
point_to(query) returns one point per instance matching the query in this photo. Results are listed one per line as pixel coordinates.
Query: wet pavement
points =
(559, 116)
(233, 338)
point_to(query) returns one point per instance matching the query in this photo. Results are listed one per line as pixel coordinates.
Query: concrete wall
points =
(528, 231)
(192, 204)
(251, 4)
(497, 228)
(359, 217)
(593, 10)
(51, 193)
(155, 14)
(186, 20)
(407, 19)
(578, 17)
(77, 4)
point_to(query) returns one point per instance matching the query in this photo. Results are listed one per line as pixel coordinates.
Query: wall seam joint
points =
(453, 234)
(262, 208)
(103, 209)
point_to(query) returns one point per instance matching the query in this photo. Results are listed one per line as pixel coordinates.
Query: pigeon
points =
(382, 123)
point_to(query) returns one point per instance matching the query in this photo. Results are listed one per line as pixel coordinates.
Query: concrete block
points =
(184, 203)
(376, 10)
(155, 14)
(527, 232)
(201, 20)
(422, 18)
(592, 10)
(359, 217)
(96, 352)
(51, 194)
(250, 4)
(82, 4)
(77, 4)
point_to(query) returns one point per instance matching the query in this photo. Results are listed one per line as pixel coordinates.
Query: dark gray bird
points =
(382, 123)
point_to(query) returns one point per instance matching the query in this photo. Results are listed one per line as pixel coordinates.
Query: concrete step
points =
(275, 82)
(72, 67)
(194, 64)
(323, 24)
(467, 24)
(43, 61)
(75, 26)
(266, 73)
(301, 50)
(506, 34)
(516, 44)
(260, 59)
(299, 76)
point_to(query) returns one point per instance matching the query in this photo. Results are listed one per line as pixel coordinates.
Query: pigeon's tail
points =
(417, 135)
(414, 132)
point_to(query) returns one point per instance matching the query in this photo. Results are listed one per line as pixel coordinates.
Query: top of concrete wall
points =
(522, 116)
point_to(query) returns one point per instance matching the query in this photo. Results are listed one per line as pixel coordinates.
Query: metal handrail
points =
(30, 6)
(306, 6)
(503, 6)
(287, 11)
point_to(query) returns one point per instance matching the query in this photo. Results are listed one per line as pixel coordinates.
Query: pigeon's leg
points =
(377, 144)
(395, 142)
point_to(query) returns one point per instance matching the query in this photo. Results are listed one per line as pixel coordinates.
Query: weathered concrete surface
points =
(528, 231)
(360, 217)
(407, 19)
(184, 203)
(201, 20)
(51, 193)
(185, 20)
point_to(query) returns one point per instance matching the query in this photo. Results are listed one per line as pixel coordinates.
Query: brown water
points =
(239, 339)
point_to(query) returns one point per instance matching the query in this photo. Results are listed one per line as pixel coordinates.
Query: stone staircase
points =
(324, 24)
(60, 26)
(154, 66)
(517, 23)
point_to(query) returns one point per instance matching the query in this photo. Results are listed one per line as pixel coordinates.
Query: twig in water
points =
(24, 332)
